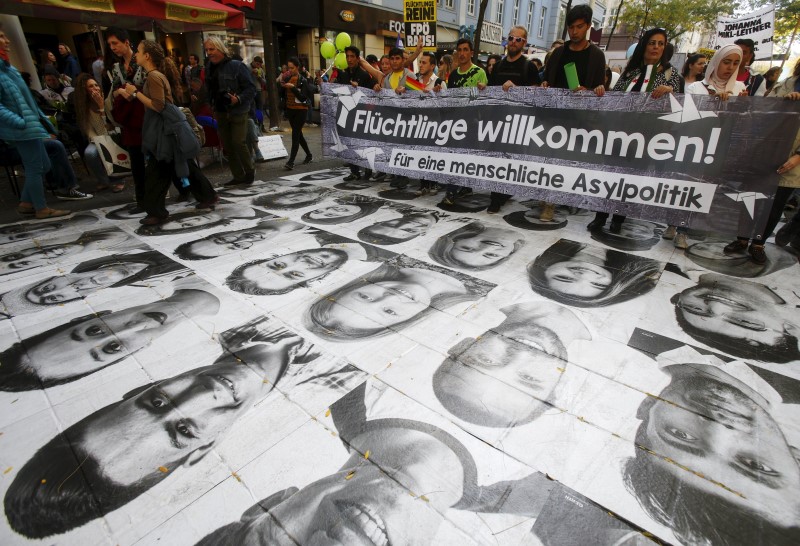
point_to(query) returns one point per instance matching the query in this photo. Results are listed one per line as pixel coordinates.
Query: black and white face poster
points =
(325, 362)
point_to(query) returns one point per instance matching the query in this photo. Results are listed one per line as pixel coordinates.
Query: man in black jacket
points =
(515, 69)
(357, 77)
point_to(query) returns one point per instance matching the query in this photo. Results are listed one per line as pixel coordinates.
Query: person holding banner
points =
(756, 83)
(721, 75)
(357, 77)
(648, 71)
(510, 72)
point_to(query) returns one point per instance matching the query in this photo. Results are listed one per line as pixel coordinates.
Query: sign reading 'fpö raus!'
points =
(419, 17)
(681, 159)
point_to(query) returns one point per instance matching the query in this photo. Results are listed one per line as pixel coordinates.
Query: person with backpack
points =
(298, 98)
(231, 91)
(515, 69)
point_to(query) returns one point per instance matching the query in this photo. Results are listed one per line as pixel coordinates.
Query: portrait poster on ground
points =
(682, 160)
(758, 26)
(419, 17)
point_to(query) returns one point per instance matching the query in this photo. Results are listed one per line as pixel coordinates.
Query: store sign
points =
(347, 16)
(420, 23)
(491, 33)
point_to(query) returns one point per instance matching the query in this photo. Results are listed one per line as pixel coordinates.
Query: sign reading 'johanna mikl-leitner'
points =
(684, 160)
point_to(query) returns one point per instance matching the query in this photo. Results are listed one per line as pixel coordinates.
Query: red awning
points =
(171, 15)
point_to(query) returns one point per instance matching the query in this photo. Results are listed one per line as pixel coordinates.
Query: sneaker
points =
(670, 233)
(680, 241)
(377, 177)
(73, 194)
(309, 158)
(463, 192)
(736, 247)
(352, 176)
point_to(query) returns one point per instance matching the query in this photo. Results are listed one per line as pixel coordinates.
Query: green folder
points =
(572, 76)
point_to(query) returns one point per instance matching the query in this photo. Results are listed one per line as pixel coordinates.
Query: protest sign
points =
(758, 26)
(685, 160)
(419, 17)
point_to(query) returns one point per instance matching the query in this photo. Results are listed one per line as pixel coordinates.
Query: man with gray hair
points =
(231, 91)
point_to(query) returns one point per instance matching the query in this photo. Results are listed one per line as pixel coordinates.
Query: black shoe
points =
(182, 198)
(494, 208)
(757, 254)
(377, 177)
(616, 226)
(308, 159)
(352, 176)
(596, 224)
(787, 233)
(208, 204)
(463, 192)
(736, 247)
(399, 182)
(135, 209)
(261, 160)
(250, 177)
(289, 166)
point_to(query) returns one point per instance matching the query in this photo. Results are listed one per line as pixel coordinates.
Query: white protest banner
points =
(419, 17)
(758, 26)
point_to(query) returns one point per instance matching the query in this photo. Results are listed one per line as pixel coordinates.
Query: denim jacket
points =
(232, 77)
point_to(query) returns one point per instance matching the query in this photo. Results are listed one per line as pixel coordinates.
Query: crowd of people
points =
(145, 89)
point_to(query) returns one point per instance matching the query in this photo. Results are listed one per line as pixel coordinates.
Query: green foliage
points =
(676, 16)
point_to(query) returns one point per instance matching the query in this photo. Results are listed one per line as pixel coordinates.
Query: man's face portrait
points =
(352, 59)
(396, 62)
(717, 427)
(192, 221)
(578, 278)
(71, 286)
(516, 42)
(289, 270)
(578, 30)
(172, 419)
(425, 66)
(404, 228)
(736, 308)
(372, 506)
(87, 346)
(224, 243)
(464, 54)
(485, 248)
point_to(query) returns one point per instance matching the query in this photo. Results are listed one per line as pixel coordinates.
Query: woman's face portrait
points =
(292, 269)
(578, 278)
(18, 232)
(334, 211)
(68, 287)
(485, 248)
(383, 303)
(295, 198)
(406, 227)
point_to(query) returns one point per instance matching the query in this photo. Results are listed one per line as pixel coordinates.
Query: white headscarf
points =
(711, 78)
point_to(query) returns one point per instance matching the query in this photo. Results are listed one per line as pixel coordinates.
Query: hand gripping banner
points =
(685, 160)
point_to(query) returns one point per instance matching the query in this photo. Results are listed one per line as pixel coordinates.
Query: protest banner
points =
(682, 159)
(758, 26)
(419, 17)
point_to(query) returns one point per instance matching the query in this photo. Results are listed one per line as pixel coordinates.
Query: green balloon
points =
(342, 41)
(327, 50)
(340, 61)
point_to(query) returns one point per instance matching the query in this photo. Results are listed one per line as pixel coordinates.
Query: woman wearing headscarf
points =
(721, 73)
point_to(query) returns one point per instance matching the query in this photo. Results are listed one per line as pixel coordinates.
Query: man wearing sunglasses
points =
(515, 69)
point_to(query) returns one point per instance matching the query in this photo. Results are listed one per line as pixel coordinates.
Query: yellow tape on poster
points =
(92, 5)
(419, 17)
(192, 14)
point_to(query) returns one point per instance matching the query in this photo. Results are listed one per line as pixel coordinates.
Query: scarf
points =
(648, 76)
(712, 80)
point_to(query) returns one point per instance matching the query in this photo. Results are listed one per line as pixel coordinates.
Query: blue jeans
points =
(36, 164)
(95, 164)
(61, 173)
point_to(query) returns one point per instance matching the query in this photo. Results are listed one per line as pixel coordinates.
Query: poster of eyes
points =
(324, 362)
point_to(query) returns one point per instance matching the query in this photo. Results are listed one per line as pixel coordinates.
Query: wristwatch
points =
(134, 94)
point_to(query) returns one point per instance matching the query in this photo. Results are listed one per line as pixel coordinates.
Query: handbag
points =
(116, 159)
